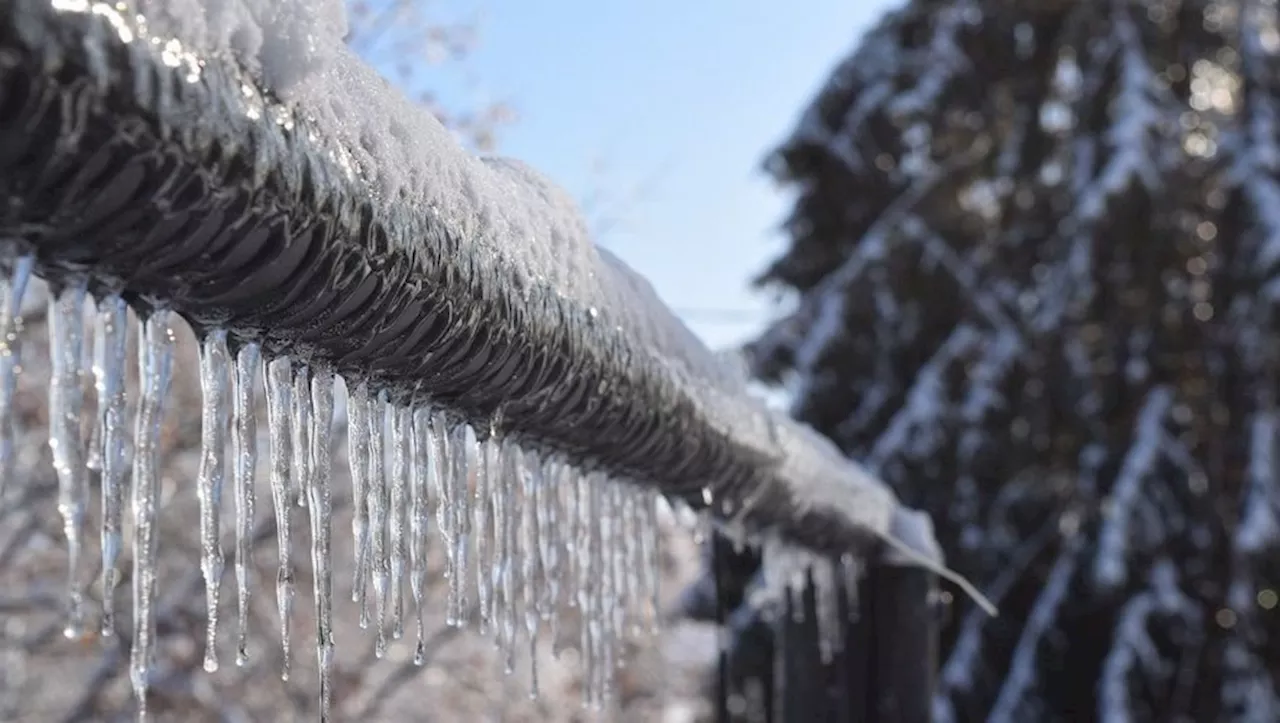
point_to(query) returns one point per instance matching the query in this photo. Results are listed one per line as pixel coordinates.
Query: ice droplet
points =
(420, 468)
(215, 366)
(399, 522)
(13, 286)
(155, 362)
(111, 330)
(244, 447)
(66, 405)
(320, 509)
(378, 518)
(279, 381)
(358, 461)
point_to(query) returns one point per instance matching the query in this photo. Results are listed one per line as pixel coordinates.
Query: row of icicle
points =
(535, 534)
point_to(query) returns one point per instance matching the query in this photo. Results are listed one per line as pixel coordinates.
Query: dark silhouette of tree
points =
(1034, 255)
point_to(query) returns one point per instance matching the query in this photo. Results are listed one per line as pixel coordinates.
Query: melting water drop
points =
(215, 366)
(13, 286)
(111, 328)
(320, 508)
(155, 361)
(378, 518)
(66, 405)
(399, 520)
(244, 447)
(279, 380)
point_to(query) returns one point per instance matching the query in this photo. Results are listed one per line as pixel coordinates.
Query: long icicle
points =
(531, 572)
(155, 362)
(358, 461)
(422, 459)
(215, 366)
(320, 509)
(500, 463)
(482, 511)
(66, 406)
(464, 465)
(378, 514)
(399, 520)
(279, 386)
(13, 286)
(301, 437)
(112, 328)
(441, 473)
(244, 445)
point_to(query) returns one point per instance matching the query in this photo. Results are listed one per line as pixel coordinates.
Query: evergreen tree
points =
(1034, 263)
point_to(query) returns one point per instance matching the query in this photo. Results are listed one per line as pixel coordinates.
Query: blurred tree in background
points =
(1034, 255)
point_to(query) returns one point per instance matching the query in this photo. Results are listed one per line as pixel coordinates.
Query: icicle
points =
(320, 509)
(633, 511)
(651, 561)
(544, 527)
(442, 480)
(530, 544)
(279, 382)
(378, 513)
(358, 460)
(850, 573)
(109, 377)
(399, 514)
(244, 449)
(464, 450)
(585, 583)
(93, 453)
(215, 365)
(418, 517)
(485, 471)
(827, 608)
(155, 362)
(66, 405)
(13, 287)
(576, 555)
(301, 437)
(506, 502)
(499, 470)
(609, 596)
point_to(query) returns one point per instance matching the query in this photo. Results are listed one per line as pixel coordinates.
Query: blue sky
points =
(679, 100)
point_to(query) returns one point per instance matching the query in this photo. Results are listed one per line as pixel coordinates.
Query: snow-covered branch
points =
(1023, 669)
(1110, 567)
